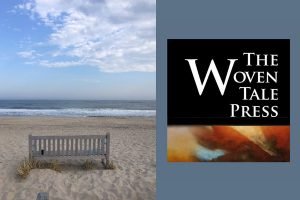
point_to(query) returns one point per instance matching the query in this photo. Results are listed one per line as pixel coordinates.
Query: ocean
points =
(77, 108)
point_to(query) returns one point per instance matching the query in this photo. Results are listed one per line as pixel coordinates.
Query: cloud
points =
(59, 64)
(115, 36)
(27, 54)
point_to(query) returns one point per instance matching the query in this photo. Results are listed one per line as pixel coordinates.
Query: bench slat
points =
(72, 146)
(94, 147)
(58, 143)
(81, 146)
(85, 146)
(72, 149)
(40, 144)
(63, 147)
(54, 147)
(98, 146)
(90, 146)
(102, 147)
(43, 145)
(76, 146)
(67, 149)
(48, 147)
(51, 147)
(32, 147)
(35, 146)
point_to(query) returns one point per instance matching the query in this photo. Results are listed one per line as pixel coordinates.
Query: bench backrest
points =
(79, 145)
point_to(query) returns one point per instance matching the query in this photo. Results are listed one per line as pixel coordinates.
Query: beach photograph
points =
(77, 100)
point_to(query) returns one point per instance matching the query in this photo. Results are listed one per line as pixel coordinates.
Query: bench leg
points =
(106, 160)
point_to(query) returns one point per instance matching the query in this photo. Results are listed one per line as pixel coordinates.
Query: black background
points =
(186, 106)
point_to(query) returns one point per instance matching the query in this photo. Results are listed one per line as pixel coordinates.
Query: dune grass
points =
(89, 165)
(109, 165)
(27, 165)
(54, 165)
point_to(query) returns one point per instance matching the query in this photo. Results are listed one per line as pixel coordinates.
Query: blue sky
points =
(77, 49)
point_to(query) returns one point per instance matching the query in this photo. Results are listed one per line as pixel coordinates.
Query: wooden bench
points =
(52, 147)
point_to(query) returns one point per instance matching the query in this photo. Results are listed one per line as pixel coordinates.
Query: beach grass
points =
(54, 165)
(109, 165)
(27, 165)
(89, 165)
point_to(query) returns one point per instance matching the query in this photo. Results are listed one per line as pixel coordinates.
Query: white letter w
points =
(212, 68)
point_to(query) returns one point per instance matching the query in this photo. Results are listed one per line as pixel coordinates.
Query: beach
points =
(132, 151)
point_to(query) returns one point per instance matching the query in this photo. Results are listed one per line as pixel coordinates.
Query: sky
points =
(77, 49)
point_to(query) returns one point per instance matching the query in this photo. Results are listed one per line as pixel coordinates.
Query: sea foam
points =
(77, 112)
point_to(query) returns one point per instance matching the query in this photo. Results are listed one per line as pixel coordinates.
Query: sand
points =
(132, 151)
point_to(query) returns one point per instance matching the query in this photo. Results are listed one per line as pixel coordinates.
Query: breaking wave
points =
(78, 112)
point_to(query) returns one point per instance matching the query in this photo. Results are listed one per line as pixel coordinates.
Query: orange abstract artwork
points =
(228, 143)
